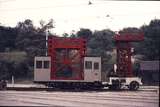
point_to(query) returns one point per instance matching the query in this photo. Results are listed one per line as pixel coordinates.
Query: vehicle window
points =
(46, 64)
(38, 64)
(96, 65)
(88, 65)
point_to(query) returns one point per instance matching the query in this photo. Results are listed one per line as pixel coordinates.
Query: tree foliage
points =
(150, 47)
(84, 33)
(65, 35)
(25, 37)
(7, 38)
(101, 44)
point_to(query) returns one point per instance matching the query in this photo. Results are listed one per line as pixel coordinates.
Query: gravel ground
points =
(146, 97)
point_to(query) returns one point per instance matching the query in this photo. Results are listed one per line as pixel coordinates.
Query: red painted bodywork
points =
(66, 53)
(124, 65)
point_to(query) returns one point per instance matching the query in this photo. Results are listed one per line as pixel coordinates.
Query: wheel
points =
(116, 85)
(134, 85)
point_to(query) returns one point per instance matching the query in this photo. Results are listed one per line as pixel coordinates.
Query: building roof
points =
(149, 65)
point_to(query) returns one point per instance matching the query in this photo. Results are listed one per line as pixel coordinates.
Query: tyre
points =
(116, 85)
(134, 85)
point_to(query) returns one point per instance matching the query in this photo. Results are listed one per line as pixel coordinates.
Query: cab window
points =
(96, 65)
(46, 64)
(38, 64)
(88, 64)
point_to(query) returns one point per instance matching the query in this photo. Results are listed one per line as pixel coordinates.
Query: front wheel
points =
(134, 86)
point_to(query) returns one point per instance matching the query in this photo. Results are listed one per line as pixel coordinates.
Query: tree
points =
(150, 46)
(6, 69)
(7, 38)
(46, 26)
(65, 35)
(102, 39)
(101, 44)
(73, 34)
(30, 39)
(84, 33)
(131, 30)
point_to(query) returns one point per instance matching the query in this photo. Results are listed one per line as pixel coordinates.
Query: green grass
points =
(13, 56)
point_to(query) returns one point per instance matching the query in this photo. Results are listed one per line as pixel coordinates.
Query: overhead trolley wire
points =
(52, 6)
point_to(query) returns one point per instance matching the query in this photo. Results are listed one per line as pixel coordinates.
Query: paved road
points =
(148, 98)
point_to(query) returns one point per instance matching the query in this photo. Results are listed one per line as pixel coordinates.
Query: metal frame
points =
(124, 65)
(66, 44)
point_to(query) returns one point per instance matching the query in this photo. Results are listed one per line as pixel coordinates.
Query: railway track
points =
(74, 90)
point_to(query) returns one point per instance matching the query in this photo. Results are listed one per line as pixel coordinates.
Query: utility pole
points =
(47, 32)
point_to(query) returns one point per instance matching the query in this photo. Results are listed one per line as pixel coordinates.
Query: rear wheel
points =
(134, 85)
(116, 85)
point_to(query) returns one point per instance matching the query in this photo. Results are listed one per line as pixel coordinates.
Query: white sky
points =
(74, 14)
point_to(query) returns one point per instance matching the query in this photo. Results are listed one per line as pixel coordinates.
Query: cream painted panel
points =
(42, 74)
(91, 75)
